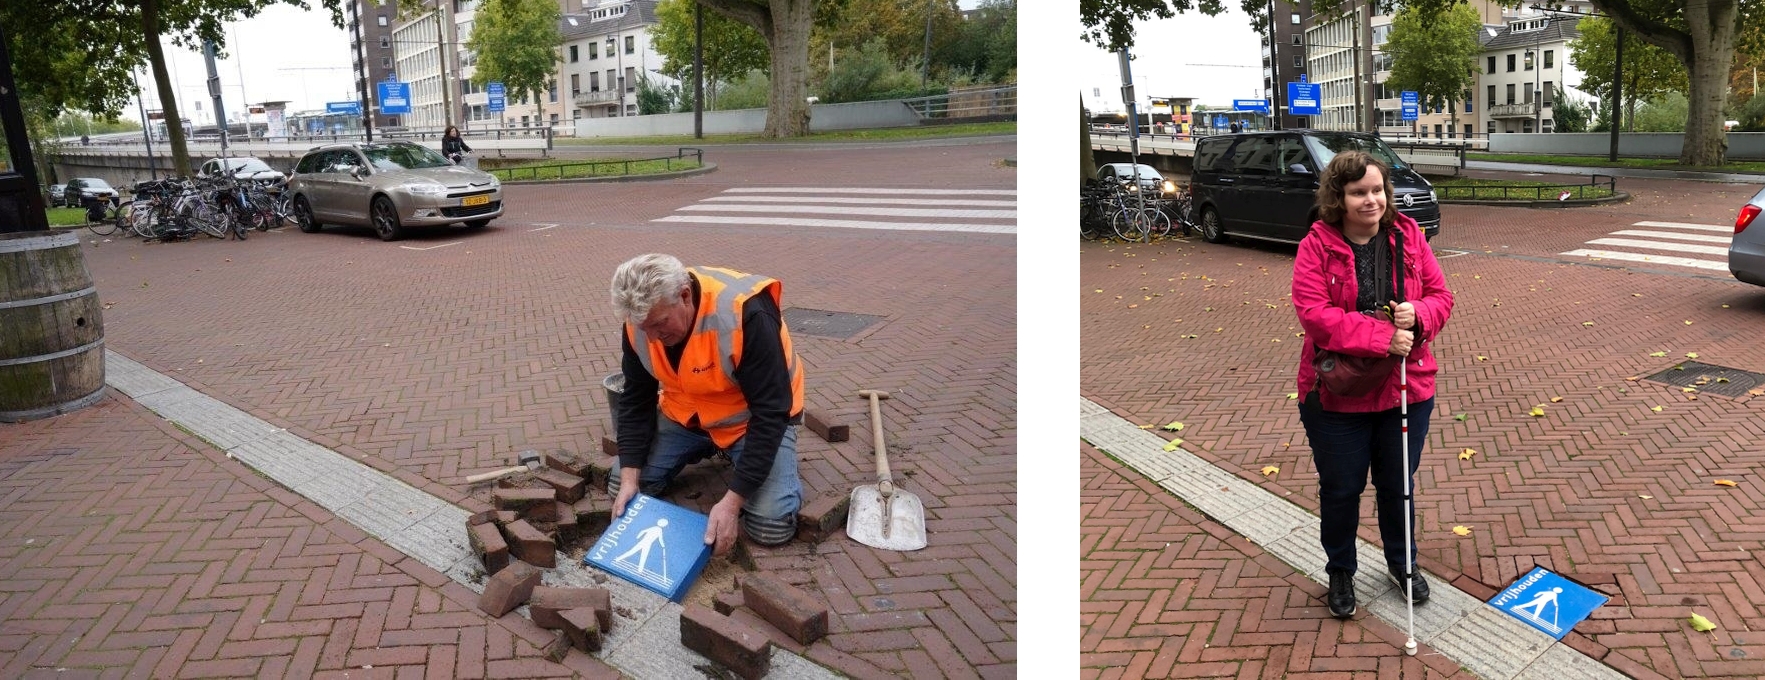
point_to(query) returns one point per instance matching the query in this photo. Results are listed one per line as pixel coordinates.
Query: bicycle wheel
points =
(1159, 223)
(109, 224)
(1129, 224)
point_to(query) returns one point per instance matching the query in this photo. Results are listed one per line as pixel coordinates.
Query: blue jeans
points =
(1345, 446)
(769, 516)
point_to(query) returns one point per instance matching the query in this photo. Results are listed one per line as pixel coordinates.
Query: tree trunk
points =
(1712, 30)
(1087, 159)
(168, 99)
(787, 40)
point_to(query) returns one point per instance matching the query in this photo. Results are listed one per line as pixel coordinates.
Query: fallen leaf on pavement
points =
(1658, 354)
(1174, 426)
(1460, 417)
(1467, 453)
(1656, 409)
(1688, 322)
(1587, 323)
(1725, 482)
(1701, 624)
(1482, 358)
(1691, 355)
(1556, 399)
(1755, 393)
(1537, 411)
(1147, 427)
(1269, 470)
(1644, 496)
(1292, 395)
(1173, 444)
(1462, 530)
(1688, 389)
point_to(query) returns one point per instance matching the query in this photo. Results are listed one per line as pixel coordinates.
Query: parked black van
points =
(1262, 185)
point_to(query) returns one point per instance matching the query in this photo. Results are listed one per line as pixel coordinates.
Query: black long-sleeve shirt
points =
(765, 381)
(452, 145)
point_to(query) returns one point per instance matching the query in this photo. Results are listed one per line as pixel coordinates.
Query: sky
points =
(1211, 59)
(284, 54)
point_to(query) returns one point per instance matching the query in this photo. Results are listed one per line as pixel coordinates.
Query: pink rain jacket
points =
(1324, 291)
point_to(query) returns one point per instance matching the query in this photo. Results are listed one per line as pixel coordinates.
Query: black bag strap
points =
(1397, 261)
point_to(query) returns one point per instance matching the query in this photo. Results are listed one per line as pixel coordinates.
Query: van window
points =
(1209, 153)
(1325, 147)
(1287, 152)
(1254, 156)
(309, 164)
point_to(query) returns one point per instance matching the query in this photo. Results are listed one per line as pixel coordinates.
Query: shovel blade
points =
(896, 522)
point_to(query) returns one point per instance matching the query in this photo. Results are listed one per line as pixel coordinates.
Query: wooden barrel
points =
(51, 327)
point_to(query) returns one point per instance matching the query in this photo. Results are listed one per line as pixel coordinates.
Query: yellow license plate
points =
(475, 200)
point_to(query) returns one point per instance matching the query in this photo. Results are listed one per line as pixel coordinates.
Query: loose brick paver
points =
(436, 364)
(1602, 488)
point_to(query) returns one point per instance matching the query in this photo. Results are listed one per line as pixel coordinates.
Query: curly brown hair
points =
(1346, 168)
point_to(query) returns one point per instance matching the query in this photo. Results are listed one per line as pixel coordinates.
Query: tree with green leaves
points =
(1649, 71)
(517, 44)
(731, 48)
(85, 54)
(1569, 115)
(987, 42)
(785, 25)
(1436, 57)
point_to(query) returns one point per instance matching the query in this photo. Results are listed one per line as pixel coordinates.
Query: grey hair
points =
(643, 281)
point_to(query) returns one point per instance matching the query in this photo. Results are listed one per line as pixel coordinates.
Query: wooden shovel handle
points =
(487, 476)
(884, 482)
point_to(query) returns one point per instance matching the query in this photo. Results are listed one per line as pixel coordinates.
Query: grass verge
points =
(880, 134)
(67, 217)
(1462, 188)
(1757, 167)
(605, 167)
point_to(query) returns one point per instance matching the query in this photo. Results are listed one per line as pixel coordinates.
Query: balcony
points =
(1388, 104)
(601, 97)
(1527, 110)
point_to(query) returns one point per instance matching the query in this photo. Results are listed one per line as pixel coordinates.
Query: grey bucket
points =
(615, 386)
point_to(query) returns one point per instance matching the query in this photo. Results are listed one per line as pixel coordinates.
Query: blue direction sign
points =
(1548, 602)
(1410, 109)
(1220, 121)
(351, 108)
(1303, 98)
(395, 97)
(655, 545)
(497, 99)
(1251, 105)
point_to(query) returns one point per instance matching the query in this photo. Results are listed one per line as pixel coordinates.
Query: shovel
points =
(882, 516)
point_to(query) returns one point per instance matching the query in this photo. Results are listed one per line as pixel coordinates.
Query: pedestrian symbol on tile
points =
(645, 540)
(1548, 602)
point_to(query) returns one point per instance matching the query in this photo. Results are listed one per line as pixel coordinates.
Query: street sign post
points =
(395, 98)
(498, 101)
(1251, 105)
(1303, 98)
(351, 108)
(1411, 109)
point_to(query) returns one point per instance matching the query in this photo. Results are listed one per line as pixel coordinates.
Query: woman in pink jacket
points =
(1348, 303)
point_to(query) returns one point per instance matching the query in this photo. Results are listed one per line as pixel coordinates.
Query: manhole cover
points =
(826, 324)
(1710, 379)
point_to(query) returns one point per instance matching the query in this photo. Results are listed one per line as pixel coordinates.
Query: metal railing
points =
(534, 172)
(975, 103)
(1543, 192)
(1423, 152)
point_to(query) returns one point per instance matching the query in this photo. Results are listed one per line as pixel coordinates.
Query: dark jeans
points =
(1344, 447)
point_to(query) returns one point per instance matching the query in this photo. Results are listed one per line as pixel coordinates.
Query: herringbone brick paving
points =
(1602, 488)
(436, 364)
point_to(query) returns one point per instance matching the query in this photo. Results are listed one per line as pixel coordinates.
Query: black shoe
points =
(1419, 589)
(1341, 597)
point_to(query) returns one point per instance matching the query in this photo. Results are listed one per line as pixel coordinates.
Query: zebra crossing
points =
(992, 211)
(1697, 246)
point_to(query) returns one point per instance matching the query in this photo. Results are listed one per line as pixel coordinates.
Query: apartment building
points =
(370, 25)
(423, 46)
(1337, 58)
(1525, 72)
(1283, 57)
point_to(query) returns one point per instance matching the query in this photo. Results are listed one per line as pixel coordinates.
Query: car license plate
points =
(475, 200)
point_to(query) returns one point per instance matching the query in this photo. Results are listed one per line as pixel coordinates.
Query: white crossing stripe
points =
(850, 224)
(837, 210)
(1653, 259)
(869, 190)
(868, 201)
(1686, 225)
(1658, 245)
(1681, 237)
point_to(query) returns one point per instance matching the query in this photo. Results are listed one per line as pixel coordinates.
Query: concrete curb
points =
(707, 167)
(1453, 623)
(644, 644)
(1616, 197)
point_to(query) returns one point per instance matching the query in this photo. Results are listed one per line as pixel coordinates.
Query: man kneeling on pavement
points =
(714, 342)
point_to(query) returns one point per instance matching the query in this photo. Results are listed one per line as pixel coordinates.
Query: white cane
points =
(1409, 570)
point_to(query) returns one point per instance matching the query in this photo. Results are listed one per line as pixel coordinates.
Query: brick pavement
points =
(1565, 491)
(435, 364)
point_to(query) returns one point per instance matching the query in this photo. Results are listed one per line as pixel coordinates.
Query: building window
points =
(552, 89)
(1529, 59)
(381, 19)
(1547, 126)
(594, 81)
(1491, 100)
(594, 50)
(575, 84)
(612, 44)
(630, 79)
(1550, 58)
(1526, 125)
(1492, 64)
(1510, 93)
(1491, 127)
(1510, 63)
(1529, 93)
(575, 114)
(1548, 92)
(572, 54)
(630, 44)
(554, 119)
(1298, 61)
(1295, 18)
(1298, 39)
(385, 62)
(385, 43)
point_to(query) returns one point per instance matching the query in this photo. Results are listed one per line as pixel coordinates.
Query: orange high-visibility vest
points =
(704, 385)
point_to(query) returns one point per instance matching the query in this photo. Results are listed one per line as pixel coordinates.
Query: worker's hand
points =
(627, 489)
(1403, 315)
(1401, 342)
(725, 516)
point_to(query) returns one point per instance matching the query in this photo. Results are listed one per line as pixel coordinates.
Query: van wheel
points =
(1210, 226)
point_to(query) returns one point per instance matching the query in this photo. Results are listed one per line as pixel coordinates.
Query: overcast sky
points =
(1211, 59)
(284, 54)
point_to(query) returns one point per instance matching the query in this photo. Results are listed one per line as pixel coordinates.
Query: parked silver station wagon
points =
(391, 187)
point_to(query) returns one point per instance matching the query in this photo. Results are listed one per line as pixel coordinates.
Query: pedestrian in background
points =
(452, 145)
(1348, 303)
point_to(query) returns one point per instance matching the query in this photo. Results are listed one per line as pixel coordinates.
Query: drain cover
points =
(826, 324)
(1712, 377)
